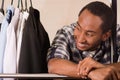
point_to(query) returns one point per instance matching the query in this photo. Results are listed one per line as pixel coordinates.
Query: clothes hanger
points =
(22, 9)
(18, 4)
(31, 3)
(2, 5)
(21, 5)
(26, 6)
(11, 2)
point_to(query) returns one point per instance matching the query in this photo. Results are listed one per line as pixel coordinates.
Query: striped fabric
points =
(63, 46)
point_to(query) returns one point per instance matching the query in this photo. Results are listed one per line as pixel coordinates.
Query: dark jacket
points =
(34, 46)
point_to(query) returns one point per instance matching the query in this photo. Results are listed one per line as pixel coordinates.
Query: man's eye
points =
(75, 36)
(78, 28)
(89, 34)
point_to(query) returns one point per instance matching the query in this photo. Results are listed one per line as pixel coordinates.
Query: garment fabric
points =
(17, 36)
(23, 18)
(64, 47)
(10, 49)
(3, 32)
(119, 58)
(34, 46)
(1, 17)
(118, 42)
(10, 55)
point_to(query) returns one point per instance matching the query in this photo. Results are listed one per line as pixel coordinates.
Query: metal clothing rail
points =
(38, 76)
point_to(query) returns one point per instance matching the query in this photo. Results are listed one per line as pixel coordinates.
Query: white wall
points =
(54, 14)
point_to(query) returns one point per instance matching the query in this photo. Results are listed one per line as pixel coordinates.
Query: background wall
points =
(54, 14)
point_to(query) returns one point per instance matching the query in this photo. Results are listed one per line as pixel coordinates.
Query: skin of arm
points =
(87, 64)
(68, 68)
(116, 67)
(97, 71)
(109, 72)
(62, 67)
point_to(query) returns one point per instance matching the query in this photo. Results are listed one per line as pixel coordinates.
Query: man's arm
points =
(87, 64)
(116, 66)
(110, 72)
(63, 67)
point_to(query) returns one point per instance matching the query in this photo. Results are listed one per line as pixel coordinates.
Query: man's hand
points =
(86, 65)
(106, 73)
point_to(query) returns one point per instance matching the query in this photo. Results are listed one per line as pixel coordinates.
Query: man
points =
(83, 48)
(109, 72)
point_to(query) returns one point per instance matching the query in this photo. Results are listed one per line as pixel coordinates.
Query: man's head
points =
(94, 25)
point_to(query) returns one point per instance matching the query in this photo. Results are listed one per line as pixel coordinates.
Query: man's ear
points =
(106, 35)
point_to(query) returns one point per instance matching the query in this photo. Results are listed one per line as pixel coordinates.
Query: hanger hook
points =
(31, 3)
(21, 5)
(18, 3)
(2, 4)
(11, 2)
(26, 5)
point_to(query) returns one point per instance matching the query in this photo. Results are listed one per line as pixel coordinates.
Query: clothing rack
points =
(40, 76)
(114, 33)
(55, 76)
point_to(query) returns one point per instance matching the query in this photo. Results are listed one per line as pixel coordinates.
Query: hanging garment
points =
(1, 13)
(24, 17)
(10, 50)
(17, 36)
(35, 43)
(117, 55)
(5, 23)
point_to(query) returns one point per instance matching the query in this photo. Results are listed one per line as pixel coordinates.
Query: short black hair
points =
(103, 11)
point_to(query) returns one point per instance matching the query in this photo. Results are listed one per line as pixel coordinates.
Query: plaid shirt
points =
(64, 47)
(118, 41)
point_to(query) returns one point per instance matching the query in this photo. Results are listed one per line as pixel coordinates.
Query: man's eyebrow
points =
(87, 30)
(91, 31)
(78, 24)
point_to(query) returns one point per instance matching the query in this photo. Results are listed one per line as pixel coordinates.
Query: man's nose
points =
(81, 37)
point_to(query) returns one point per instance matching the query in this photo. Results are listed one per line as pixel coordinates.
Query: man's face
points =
(88, 33)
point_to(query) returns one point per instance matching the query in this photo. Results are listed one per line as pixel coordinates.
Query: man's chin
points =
(86, 49)
(82, 49)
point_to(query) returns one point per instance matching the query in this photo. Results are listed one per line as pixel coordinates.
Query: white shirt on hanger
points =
(1, 17)
(9, 63)
(19, 35)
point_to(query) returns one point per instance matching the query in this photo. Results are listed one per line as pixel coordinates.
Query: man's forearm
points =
(111, 71)
(63, 67)
(116, 66)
